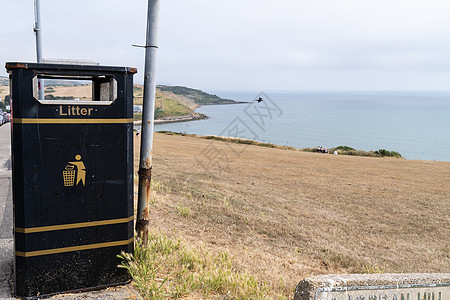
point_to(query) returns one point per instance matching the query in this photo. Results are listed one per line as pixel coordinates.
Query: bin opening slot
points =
(96, 90)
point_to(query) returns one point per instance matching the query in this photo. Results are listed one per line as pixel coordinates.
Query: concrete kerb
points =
(375, 287)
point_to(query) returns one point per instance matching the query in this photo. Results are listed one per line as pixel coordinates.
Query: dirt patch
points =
(185, 100)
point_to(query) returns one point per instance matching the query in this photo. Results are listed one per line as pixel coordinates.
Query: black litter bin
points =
(72, 178)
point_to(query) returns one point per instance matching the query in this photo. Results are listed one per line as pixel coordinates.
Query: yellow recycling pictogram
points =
(74, 170)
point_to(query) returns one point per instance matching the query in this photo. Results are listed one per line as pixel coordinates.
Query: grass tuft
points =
(157, 186)
(183, 211)
(168, 268)
(372, 269)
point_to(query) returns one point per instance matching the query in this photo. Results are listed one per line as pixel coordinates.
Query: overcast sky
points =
(248, 44)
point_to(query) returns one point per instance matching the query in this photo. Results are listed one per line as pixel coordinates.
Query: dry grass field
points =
(78, 91)
(283, 215)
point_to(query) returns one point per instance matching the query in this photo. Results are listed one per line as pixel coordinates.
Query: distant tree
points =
(7, 100)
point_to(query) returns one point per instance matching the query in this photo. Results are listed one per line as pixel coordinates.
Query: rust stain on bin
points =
(16, 66)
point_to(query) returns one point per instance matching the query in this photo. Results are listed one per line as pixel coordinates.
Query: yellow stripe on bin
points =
(73, 225)
(71, 121)
(74, 248)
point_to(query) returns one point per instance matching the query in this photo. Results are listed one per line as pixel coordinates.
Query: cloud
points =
(230, 44)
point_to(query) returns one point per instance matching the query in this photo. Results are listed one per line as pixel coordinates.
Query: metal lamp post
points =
(145, 163)
(38, 32)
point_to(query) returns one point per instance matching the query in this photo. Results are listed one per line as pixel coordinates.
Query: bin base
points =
(48, 275)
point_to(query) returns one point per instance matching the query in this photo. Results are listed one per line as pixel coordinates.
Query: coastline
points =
(194, 117)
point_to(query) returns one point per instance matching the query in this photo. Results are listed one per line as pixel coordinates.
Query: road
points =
(6, 215)
(6, 234)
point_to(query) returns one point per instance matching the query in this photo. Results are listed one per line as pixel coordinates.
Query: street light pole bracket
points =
(147, 46)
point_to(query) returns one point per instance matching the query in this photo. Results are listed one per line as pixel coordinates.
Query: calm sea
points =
(416, 124)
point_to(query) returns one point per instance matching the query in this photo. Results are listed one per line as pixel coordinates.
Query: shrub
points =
(344, 148)
(310, 149)
(384, 152)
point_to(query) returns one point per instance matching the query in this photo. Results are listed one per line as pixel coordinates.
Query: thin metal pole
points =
(38, 31)
(148, 115)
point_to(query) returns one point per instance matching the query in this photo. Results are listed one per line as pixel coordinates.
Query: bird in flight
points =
(259, 100)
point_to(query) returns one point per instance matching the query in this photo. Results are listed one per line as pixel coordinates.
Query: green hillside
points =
(198, 96)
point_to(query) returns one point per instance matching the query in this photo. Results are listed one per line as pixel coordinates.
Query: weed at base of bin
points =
(168, 268)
